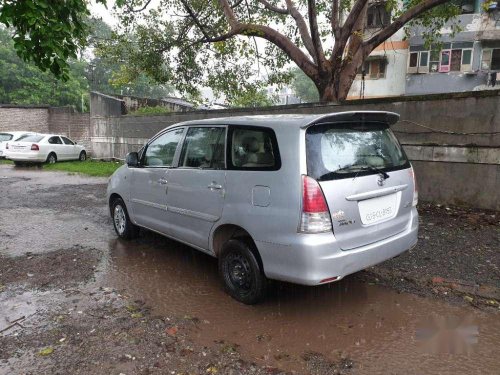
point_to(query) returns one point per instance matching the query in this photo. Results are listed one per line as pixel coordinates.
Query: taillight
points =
(415, 188)
(315, 217)
(34, 147)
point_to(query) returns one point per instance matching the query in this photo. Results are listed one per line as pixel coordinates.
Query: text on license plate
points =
(378, 209)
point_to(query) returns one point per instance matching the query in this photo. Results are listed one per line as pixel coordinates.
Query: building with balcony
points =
(384, 71)
(467, 61)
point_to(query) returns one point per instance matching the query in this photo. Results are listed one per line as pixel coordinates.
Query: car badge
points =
(381, 180)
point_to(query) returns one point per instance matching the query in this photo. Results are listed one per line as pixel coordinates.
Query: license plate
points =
(378, 209)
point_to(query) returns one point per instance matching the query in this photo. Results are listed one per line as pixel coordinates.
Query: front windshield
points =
(340, 150)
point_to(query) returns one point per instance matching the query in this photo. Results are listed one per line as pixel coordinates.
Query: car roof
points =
(17, 132)
(299, 120)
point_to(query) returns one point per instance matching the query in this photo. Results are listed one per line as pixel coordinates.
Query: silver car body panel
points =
(267, 204)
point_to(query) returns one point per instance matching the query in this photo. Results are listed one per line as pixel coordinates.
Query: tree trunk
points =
(336, 89)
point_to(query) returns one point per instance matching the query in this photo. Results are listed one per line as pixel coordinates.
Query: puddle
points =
(380, 330)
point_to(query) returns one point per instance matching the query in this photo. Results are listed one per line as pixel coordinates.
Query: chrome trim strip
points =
(376, 193)
(149, 204)
(195, 214)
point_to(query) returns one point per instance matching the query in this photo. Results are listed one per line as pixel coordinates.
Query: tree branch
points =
(346, 30)
(335, 19)
(273, 8)
(268, 33)
(303, 30)
(410, 14)
(313, 26)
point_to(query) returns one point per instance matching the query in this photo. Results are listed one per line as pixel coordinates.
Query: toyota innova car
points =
(306, 199)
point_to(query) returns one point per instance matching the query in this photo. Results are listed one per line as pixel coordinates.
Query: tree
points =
(303, 86)
(47, 32)
(252, 97)
(24, 83)
(215, 43)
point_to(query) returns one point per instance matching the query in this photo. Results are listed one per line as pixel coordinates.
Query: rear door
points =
(57, 145)
(196, 187)
(365, 177)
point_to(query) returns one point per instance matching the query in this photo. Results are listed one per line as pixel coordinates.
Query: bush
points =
(156, 110)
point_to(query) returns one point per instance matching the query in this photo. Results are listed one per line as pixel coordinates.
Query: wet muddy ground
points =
(90, 303)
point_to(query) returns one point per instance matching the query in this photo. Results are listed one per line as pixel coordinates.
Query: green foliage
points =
(89, 167)
(23, 83)
(252, 97)
(146, 111)
(47, 32)
(192, 48)
(304, 87)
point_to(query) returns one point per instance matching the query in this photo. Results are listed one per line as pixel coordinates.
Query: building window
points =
(377, 16)
(374, 68)
(443, 61)
(490, 59)
(419, 62)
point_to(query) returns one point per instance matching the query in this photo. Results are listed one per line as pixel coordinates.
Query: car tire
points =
(243, 278)
(124, 227)
(83, 156)
(19, 164)
(51, 158)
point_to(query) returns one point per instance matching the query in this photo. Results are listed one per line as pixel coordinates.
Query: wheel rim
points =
(82, 157)
(239, 272)
(52, 159)
(120, 219)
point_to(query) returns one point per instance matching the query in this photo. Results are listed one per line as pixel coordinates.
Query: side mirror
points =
(132, 159)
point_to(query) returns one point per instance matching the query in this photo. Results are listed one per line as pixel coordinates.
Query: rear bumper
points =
(309, 259)
(26, 156)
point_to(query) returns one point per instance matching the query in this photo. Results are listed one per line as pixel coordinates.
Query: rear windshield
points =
(31, 138)
(336, 151)
(5, 137)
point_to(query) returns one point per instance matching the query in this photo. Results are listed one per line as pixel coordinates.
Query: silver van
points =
(307, 199)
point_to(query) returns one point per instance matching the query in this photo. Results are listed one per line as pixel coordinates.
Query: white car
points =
(6, 137)
(44, 148)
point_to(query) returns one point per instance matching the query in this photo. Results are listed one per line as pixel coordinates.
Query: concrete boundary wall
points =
(453, 140)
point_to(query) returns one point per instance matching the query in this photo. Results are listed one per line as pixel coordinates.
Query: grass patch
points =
(5, 161)
(89, 167)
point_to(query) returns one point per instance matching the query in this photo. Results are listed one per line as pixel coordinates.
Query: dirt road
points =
(91, 304)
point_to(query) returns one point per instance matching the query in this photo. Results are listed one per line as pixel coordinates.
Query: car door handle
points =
(162, 181)
(214, 186)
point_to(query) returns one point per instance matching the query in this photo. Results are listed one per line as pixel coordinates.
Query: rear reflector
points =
(415, 188)
(315, 217)
(329, 279)
(35, 147)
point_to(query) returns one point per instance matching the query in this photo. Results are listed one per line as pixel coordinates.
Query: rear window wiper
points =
(359, 168)
(378, 170)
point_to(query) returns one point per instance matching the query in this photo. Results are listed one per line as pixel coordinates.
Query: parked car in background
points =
(6, 137)
(44, 148)
(307, 199)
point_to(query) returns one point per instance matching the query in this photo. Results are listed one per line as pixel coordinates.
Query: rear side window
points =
(253, 148)
(30, 138)
(55, 141)
(161, 151)
(336, 151)
(5, 137)
(203, 148)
